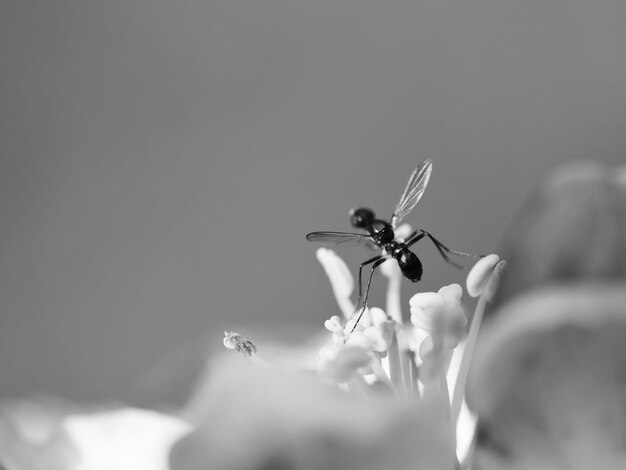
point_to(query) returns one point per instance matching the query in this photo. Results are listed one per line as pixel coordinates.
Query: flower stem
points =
(413, 372)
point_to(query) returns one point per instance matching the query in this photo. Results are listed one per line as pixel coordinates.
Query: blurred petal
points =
(31, 435)
(123, 439)
(573, 228)
(426, 349)
(549, 381)
(267, 419)
(380, 338)
(339, 364)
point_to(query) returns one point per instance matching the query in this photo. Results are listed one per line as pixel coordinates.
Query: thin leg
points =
(365, 263)
(448, 250)
(441, 248)
(414, 237)
(367, 291)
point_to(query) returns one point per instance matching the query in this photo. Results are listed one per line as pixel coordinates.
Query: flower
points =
(376, 360)
(545, 390)
(358, 350)
(547, 382)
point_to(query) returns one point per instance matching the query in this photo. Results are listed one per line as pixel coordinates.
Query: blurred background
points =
(161, 161)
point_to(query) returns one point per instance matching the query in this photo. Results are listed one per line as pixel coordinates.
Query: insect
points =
(381, 235)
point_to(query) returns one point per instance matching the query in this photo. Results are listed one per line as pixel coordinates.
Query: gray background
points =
(161, 161)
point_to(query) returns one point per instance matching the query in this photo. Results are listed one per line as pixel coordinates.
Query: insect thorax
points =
(382, 232)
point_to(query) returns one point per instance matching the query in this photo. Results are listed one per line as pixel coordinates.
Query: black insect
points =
(381, 235)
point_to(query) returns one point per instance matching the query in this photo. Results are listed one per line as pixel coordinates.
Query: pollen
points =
(233, 340)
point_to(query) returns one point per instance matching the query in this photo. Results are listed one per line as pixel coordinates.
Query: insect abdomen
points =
(410, 265)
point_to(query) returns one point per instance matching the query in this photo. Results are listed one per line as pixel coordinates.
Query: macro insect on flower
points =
(381, 235)
(406, 382)
(545, 389)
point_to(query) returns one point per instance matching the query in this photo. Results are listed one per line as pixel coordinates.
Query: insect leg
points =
(367, 291)
(441, 248)
(448, 250)
(416, 236)
(365, 263)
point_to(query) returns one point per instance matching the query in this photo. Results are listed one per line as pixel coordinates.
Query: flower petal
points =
(573, 228)
(549, 381)
(262, 419)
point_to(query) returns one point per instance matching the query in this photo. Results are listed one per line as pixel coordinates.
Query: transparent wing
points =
(338, 238)
(413, 192)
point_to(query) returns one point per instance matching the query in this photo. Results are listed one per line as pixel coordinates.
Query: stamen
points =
(395, 366)
(340, 279)
(480, 274)
(492, 283)
(391, 271)
(489, 285)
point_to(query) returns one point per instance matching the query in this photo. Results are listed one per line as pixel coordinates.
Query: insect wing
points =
(413, 192)
(338, 238)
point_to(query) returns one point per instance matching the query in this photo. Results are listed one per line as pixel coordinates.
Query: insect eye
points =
(361, 217)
